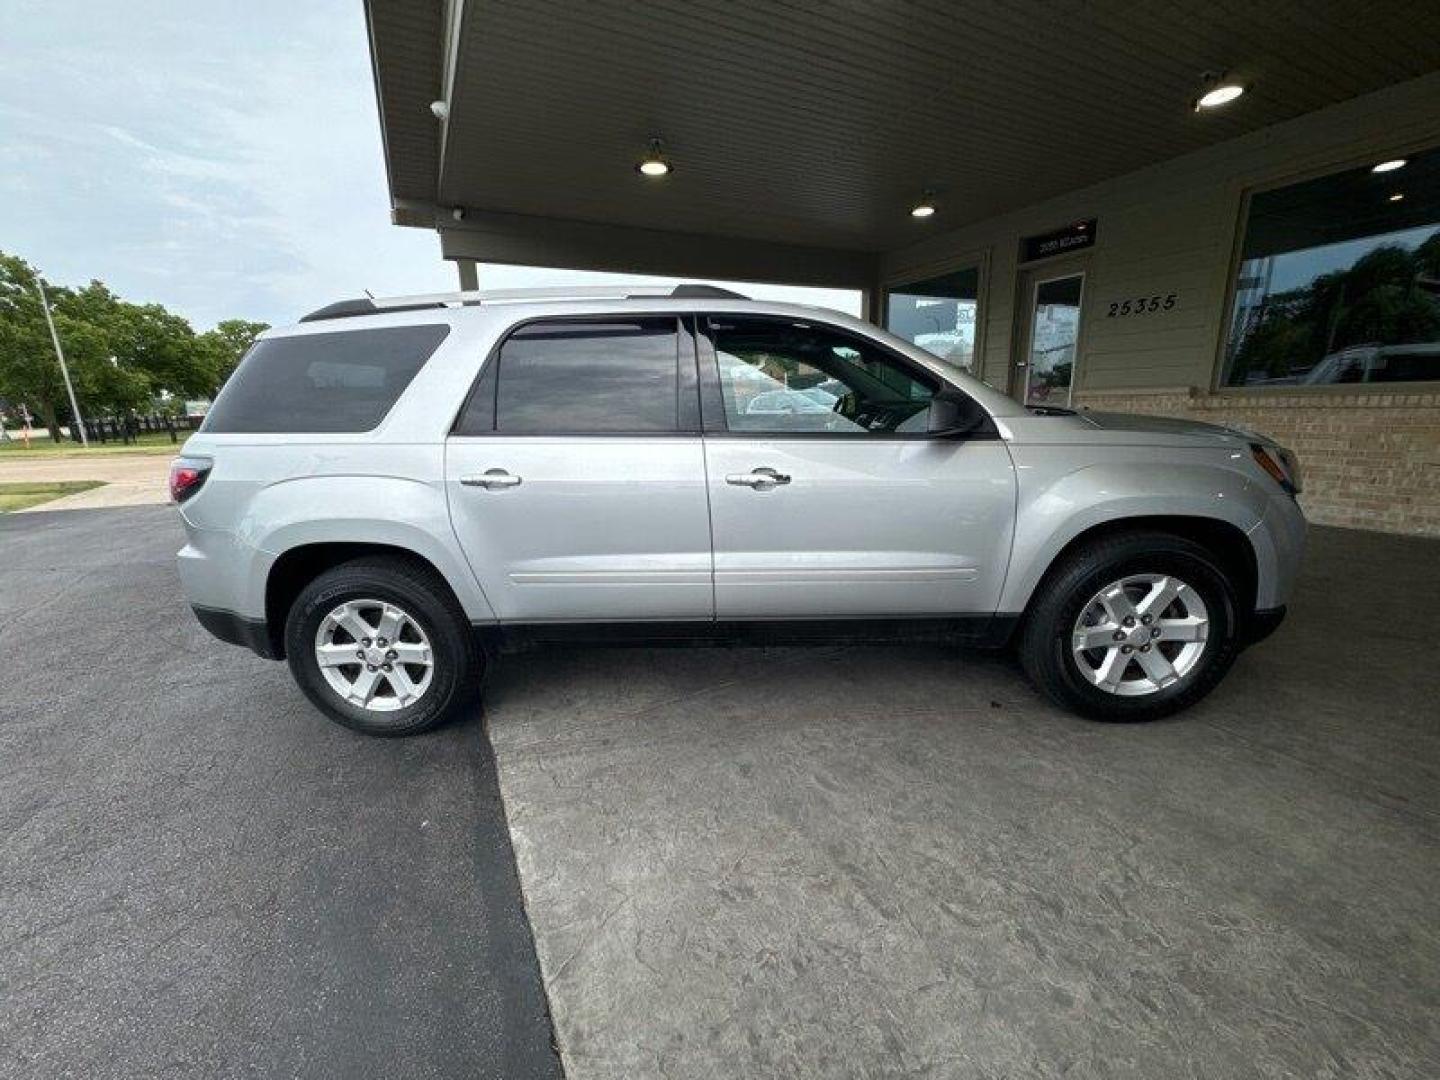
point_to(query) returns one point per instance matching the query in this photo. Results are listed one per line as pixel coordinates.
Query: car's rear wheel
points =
(1132, 627)
(381, 645)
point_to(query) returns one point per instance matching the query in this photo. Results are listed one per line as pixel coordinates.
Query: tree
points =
(225, 345)
(124, 358)
(145, 340)
(1427, 257)
(1385, 297)
(28, 371)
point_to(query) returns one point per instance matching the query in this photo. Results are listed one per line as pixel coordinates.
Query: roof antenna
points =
(370, 294)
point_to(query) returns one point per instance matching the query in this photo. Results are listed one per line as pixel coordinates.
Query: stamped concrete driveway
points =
(892, 862)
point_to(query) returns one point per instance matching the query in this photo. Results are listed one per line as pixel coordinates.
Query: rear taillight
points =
(186, 476)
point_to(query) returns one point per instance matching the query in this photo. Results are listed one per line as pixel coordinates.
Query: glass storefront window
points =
(938, 315)
(1339, 280)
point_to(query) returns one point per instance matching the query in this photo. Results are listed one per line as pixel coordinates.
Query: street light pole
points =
(65, 371)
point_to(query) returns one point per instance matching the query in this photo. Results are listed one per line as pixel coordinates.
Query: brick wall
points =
(1369, 460)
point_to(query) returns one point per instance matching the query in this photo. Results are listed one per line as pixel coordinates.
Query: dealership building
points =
(1230, 214)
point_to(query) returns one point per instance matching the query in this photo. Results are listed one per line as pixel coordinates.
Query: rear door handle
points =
(491, 480)
(762, 479)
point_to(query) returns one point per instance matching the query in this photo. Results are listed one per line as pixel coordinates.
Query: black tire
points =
(1045, 641)
(427, 599)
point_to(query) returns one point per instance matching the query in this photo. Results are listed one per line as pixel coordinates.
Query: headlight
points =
(1279, 463)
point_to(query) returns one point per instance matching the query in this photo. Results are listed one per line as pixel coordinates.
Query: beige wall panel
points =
(1372, 459)
(1173, 228)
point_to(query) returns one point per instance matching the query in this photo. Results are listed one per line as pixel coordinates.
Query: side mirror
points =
(953, 414)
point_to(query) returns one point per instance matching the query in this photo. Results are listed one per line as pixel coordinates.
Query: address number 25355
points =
(1142, 305)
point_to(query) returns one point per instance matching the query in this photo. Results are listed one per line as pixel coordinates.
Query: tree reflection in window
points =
(1340, 282)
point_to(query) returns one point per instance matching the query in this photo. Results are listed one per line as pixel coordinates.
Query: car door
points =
(827, 495)
(576, 474)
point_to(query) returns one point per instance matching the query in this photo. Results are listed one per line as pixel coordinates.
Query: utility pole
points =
(60, 355)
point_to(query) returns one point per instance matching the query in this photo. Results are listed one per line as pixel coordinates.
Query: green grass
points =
(153, 442)
(22, 496)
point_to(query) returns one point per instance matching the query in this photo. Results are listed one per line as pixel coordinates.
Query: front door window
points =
(785, 377)
(1054, 332)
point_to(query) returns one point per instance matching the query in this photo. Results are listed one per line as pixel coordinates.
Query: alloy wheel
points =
(1140, 634)
(374, 655)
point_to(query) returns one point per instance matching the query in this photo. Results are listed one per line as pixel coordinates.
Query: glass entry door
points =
(1045, 363)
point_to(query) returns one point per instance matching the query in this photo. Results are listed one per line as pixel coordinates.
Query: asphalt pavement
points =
(200, 876)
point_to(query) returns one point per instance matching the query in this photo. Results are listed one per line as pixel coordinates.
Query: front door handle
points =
(491, 480)
(762, 479)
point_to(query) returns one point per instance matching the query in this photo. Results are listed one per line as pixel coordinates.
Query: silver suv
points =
(395, 492)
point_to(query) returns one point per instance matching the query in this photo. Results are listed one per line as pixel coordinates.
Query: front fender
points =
(1058, 502)
(394, 511)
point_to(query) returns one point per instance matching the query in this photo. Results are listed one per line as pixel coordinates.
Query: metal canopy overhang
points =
(802, 132)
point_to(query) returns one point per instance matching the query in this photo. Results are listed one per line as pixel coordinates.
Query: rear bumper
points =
(1263, 623)
(221, 572)
(236, 629)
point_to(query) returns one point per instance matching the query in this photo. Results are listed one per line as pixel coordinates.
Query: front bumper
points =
(1263, 623)
(1278, 540)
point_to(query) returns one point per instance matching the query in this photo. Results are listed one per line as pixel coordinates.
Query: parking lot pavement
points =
(829, 862)
(199, 876)
(900, 862)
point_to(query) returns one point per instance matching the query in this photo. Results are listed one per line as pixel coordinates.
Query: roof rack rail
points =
(700, 292)
(343, 309)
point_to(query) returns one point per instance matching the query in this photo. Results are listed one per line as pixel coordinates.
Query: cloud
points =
(227, 170)
(227, 166)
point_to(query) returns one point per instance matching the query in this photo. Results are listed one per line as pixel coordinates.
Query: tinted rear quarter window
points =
(327, 383)
(616, 377)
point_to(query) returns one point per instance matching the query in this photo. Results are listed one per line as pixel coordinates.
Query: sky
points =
(220, 157)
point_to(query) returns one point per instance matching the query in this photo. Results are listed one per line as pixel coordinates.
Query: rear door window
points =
(327, 383)
(610, 377)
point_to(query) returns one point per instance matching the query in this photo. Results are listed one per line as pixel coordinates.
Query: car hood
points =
(1160, 425)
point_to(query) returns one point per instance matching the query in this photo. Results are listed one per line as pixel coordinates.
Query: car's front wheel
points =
(1132, 627)
(381, 645)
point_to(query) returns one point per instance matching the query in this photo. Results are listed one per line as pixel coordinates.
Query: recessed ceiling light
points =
(1396, 197)
(655, 163)
(925, 207)
(1219, 94)
(1389, 166)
